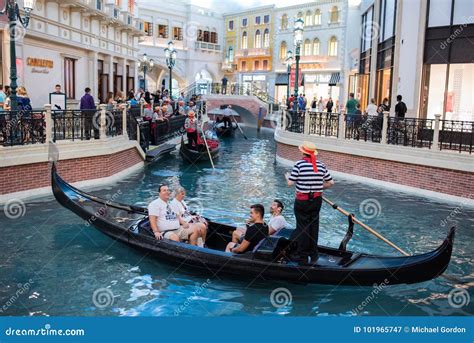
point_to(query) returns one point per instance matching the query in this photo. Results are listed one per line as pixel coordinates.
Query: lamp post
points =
(145, 65)
(298, 33)
(288, 61)
(170, 53)
(13, 12)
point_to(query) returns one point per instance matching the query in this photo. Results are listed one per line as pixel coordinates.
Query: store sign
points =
(247, 78)
(39, 65)
(317, 78)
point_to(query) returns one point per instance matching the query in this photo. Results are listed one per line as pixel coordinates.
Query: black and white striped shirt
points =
(306, 179)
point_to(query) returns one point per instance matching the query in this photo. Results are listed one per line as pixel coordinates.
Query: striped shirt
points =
(306, 179)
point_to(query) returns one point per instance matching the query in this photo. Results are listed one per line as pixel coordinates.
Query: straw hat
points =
(308, 148)
(191, 113)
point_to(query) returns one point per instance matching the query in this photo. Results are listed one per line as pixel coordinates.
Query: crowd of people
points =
(23, 100)
(352, 107)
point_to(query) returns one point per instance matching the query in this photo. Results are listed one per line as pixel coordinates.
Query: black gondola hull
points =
(360, 269)
(194, 156)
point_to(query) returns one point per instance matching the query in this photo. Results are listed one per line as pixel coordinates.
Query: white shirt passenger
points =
(167, 219)
(181, 209)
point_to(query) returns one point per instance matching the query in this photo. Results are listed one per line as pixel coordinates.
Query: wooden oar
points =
(365, 226)
(207, 146)
(242, 132)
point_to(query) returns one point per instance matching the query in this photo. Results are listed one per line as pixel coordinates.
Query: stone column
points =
(124, 78)
(48, 121)
(103, 121)
(306, 123)
(111, 74)
(124, 119)
(386, 116)
(283, 114)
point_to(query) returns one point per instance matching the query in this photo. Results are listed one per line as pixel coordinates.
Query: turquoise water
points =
(53, 264)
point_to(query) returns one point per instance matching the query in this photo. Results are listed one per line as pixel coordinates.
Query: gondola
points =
(130, 225)
(192, 155)
(225, 131)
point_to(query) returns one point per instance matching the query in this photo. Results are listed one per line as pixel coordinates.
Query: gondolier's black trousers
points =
(307, 228)
(192, 138)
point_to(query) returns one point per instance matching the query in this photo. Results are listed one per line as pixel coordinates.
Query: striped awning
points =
(281, 79)
(335, 79)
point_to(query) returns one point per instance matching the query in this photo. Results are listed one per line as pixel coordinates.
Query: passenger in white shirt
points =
(276, 222)
(178, 205)
(167, 224)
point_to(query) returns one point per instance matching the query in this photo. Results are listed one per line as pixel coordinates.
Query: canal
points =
(53, 264)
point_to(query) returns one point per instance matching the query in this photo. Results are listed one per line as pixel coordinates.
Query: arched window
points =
(283, 50)
(266, 38)
(258, 39)
(332, 46)
(316, 47)
(317, 17)
(284, 22)
(308, 21)
(307, 47)
(334, 15)
(244, 40)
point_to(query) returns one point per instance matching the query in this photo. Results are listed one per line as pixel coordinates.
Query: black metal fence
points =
(22, 127)
(412, 132)
(364, 127)
(295, 121)
(323, 124)
(75, 125)
(456, 135)
(166, 129)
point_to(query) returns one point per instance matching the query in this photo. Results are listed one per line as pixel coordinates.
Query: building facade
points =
(197, 36)
(249, 37)
(420, 50)
(322, 51)
(77, 44)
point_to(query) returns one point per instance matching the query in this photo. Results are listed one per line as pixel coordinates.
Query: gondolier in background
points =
(310, 177)
(227, 113)
(191, 126)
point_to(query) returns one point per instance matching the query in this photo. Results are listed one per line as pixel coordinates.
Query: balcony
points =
(207, 46)
(229, 67)
(253, 52)
(113, 11)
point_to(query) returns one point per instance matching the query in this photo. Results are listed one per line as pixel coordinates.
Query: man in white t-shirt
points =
(276, 222)
(165, 223)
(179, 206)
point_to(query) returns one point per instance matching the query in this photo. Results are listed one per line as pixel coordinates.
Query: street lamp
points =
(170, 53)
(13, 11)
(298, 33)
(145, 65)
(288, 61)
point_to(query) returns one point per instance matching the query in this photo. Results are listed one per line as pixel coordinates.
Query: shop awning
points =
(281, 79)
(335, 79)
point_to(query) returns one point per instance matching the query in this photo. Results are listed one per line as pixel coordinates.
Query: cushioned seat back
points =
(270, 248)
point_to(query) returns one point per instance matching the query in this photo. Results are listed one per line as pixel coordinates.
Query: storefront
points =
(256, 81)
(448, 71)
(325, 85)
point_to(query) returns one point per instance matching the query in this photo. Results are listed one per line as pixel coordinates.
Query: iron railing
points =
(75, 124)
(22, 127)
(166, 129)
(412, 132)
(456, 135)
(364, 127)
(323, 124)
(114, 122)
(295, 121)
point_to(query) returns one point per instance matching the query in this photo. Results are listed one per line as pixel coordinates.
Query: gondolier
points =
(310, 177)
(191, 126)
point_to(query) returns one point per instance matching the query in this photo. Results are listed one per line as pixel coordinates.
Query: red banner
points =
(292, 78)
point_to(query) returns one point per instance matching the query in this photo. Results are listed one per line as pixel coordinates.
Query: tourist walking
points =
(314, 104)
(224, 85)
(400, 108)
(88, 108)
(23, 100)
(371, 109)
(351, 104)
(329, 105)
(384, 106)
(311, 177)
(321, 104)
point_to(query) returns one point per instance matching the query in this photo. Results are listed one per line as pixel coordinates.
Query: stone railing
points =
(435, 134)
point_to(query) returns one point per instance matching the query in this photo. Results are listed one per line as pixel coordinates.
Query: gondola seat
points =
(271, 248)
